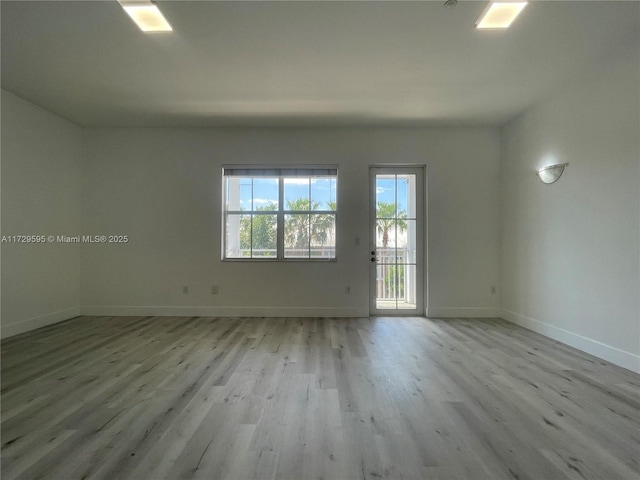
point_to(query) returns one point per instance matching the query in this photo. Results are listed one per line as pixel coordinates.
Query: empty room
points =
(330, 240)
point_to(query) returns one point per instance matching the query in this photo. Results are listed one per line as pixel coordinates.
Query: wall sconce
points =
(551, 173)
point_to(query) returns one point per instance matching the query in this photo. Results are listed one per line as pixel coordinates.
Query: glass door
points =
(397, 253)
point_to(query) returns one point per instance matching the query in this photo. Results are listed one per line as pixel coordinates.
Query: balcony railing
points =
(314, 252)
(392, 274)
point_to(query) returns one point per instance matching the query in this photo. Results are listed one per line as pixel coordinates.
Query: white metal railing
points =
(313, 252)
(391, 273)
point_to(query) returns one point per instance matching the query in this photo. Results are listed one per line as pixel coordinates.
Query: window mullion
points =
(280, 221)
(309, 216)
(251, 223)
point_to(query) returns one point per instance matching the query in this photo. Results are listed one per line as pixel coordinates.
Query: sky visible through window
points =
(323, 191)
(264, 192)
(386, 191)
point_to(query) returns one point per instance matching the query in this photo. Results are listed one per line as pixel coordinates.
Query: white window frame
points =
(282, 173)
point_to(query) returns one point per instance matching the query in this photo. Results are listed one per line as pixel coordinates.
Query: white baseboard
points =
(463, 312)
(42, 321)
(188, 311)
(598, 349)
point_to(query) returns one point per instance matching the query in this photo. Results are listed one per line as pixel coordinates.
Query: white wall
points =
(41, 164)
(571, 250)
(162, 188)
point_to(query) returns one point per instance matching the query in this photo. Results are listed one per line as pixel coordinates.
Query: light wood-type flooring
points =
(261, 398)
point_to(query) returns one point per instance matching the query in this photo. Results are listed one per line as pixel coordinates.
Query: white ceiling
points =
(302, 63)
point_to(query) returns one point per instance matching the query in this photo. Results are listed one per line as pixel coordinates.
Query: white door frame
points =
(421, 224)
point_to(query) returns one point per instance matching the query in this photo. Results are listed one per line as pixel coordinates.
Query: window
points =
(280, 213)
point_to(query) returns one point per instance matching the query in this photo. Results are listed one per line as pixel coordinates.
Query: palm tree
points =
(301, 229)
(388, 219)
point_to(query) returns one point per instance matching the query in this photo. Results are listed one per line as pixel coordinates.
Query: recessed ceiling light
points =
(146, 15)
(500, 14)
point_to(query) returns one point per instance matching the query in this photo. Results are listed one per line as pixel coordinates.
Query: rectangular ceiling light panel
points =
(146, 15)
(500, 14)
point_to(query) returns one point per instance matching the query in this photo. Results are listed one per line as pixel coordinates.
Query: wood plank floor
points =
(262, 398)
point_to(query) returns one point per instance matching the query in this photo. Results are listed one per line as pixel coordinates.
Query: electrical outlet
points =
(185, 290)
(215, 290)
(347, 290)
